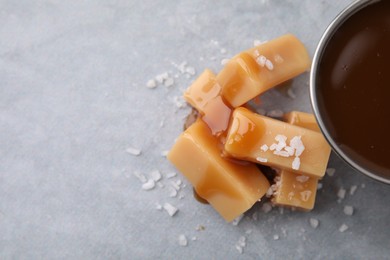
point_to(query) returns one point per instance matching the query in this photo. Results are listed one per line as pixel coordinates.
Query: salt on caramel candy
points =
(231, 188)
(264, 140)
(205, 95)
(258, 69)
(292, 189)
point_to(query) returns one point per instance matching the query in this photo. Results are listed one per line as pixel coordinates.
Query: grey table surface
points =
(73, 101)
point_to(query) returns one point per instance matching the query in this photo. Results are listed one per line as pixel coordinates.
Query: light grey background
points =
(73, 98)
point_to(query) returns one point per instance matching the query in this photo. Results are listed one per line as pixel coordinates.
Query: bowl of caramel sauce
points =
(350, 86)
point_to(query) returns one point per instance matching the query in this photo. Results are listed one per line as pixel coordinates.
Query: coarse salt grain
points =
(297, 144)
(261, 159)
(296, 163)
(224, 61)
(276, 237)
(281, 153)
(305, 195)
(348, 210)
(353, 189)
(278, 58)
(270, 191)
(155, 175)
(151, 83)
(273, 146)
(140, 176)
(269, 65)
(162, 77)
(264, 148)
(171, 175)
(164, 153)
(261, 60)
(223, 50)
(133, 151)
(257, 43)
(172, 192)
(302, 178)
(194, 238)
(289, 150)
(266, 207)
(341, 193)
(158, 206)
(291, 94)
(149, 185)
(343, 228)
(183, 240)
(330, 171)
(169, 82)
(171, 210)
(319, 186)
(314, 222)
(175, 186)
(191, 71)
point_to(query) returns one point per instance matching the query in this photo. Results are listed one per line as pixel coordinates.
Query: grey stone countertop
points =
(74, 107)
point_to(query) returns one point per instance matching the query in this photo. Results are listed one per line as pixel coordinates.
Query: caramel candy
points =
(205, 95)
(275, 143)
(297, 190)
(256, 70)
(302, 119)
(231, 188)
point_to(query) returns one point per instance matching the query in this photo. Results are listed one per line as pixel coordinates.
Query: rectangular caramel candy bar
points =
(275, 143)
(231, 188)
(256, 70)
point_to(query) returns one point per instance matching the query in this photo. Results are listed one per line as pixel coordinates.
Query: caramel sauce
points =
(354, 87)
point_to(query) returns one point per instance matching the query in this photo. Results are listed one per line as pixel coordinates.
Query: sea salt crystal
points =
(149, 185)
(276, 237)
(133, 151)
(348, 210)
(264, 147)
(297, 144)
(223, 50)
(151, 83)
(269, 65)
(194, 238)
(183, 240)
(341, 193)
(261, 60)
(296, 163)
(269, 192)
(278, 58)
(158, 206)
(314, 222)
(155, 175)
(352, 190)
(273, 146)
(224, 61)
(164, 153)
(302, 178)
(171, 210)
(241, 243)
(191, 71)
(171, 175)
(281, 153)
(140, 176)
(343, 228)
(261, 159)
(172, 192)
(162, 77)
(257, 43)
(305, 195)
(175, 186)
(319, 186)
(169, 82)
(330, 171)
(291, 94)
(266, 207)
(289, 150)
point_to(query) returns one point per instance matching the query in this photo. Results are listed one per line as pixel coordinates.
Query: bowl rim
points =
(345, 14)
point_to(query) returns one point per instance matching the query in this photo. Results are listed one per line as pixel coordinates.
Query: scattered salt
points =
(162, 77)
(297, 144)
(319, 186)
(352, 190)
(330, 171)
(343, 228)
(164, 153)
(302, 178)
(171, 175)
(155, 175)
(314, 222)
(241, 243)
(269, 65)
(270, 191)
(348, 210)
(264, 147)
(257, 43)
(160, 185)
(273, 146)
(191, 71)
(261, 159)
(291, 94)
(169, 82)
(223, 50)
(237, 220)
(172, 192)
(175, 186)
(170, 209)
(289, 150)
(158, 206)
(179, 182)
(305, 195)
(183, 240)
(266, 207)
(133, 151)
(341, 193)
(194, 238)
(149, 185)
(224, 61)
(278, 58)
(261, 60)
(281, 153)
(296, 163)
(151, 83)
(140, 176)
(276, 237)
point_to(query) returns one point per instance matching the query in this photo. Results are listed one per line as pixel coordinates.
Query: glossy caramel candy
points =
(277, 144)
(256, 70)
(231, 188)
